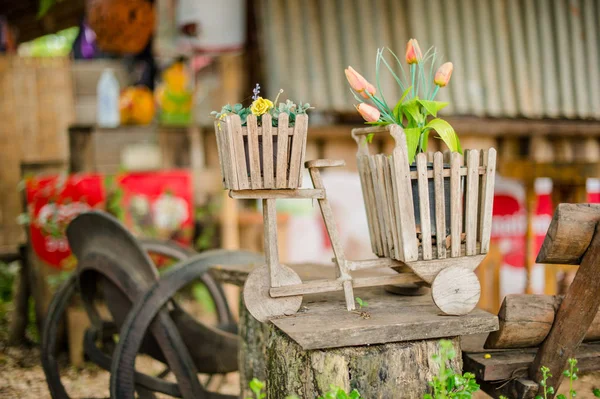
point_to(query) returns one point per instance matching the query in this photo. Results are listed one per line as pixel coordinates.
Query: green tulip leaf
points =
(412, 112)
(446, 133)
(412, 142)
(432, 107)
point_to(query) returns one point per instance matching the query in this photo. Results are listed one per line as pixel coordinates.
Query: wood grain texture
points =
(569, 234)
(574, 316)
(276, 276)
(379, 205)
(526, 320)
(403, 193)
(456, 290)
(281, 171)
(278, 193)
(324, 323)
(429, 269)
(235, 132)
(268, 154)
(487, 199)
(296, 156)
(389, 190)
(325, 163)
(455, 204)
(253, 153)
(471, 201)
(423, 188)
(440, 205)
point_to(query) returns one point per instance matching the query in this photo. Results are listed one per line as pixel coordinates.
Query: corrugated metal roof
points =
(531, 58)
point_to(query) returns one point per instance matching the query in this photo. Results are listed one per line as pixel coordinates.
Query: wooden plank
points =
(267, 156)
(235, 132)
(220, 149)
(303, 193)
(455, 204)
(392, 318)
(506, 364)
(423, 184)
(253, 153)
(366, 199)
(304, 119)
(403, 194)
(429, 269)
(282, 151)
(471, 201)
(270, 238)
(380, 161)
(322, 286)
(569, 234)
(389, 190)
(440, 205)
(487, 199)
(379, 205)
(574, 316)
(325, 163)
(526, 320)
(229, 153)
(298, 141)
(372, 206)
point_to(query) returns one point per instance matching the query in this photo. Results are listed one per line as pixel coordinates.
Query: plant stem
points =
(435, 92)
(412, 73)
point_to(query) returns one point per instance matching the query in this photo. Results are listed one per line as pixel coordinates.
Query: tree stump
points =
(391, 371)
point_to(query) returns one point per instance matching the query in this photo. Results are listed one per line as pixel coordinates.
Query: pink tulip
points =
(359, 83)
(413, 52)
(368, 112)
(442, 76)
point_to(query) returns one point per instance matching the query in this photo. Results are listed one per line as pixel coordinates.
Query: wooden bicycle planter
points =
(276, 290)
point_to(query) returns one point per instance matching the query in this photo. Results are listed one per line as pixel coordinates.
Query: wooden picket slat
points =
(455, 204)
(230, 157)
(267, 155)
(403, 195)
(253, 153)
(282, 151)
(424, 205)
(222, 160)
(235, 124)
(440, 205)
(380, 161)
(471, 201)
(298, 140)
(303, 153)
(389, 189)
(487, 199)
(379, 205)
(370, 205)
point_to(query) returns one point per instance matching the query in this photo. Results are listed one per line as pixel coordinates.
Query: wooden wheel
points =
(259, 302)
(456, 290)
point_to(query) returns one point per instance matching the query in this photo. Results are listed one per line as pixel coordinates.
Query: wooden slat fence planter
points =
(453, 215)
(256, 157)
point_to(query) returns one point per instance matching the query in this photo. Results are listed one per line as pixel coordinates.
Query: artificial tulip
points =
(442, 76)
(368, 112)
(413, 52)
(359, 83)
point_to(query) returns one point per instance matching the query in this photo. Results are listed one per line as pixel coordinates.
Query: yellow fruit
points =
(136, 105)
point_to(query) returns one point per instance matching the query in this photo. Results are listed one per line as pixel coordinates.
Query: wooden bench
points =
(545, 330)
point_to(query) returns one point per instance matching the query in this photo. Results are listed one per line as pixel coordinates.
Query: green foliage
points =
(8, 274)
(571, 374)
(543, 383)
(361, 303)
(448, 384)
(114, 197)
(596, 392)
(339, 393)
(257, 386)
(202, 296)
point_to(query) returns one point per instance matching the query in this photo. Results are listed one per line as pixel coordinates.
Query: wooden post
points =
(530, 207)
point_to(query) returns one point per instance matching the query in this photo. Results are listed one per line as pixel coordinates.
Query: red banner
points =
(150, 204)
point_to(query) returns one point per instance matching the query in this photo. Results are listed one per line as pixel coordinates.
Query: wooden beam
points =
(276, 194)
(578, 309)
(569, 234)
(526, 320)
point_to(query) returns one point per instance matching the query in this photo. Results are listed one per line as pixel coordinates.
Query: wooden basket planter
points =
(256, 157)
(390, 189)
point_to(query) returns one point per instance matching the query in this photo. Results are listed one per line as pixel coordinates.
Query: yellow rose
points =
(261, 106)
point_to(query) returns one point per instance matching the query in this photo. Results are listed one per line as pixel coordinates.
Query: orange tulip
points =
(368, 112)
(413, 52)
(442, 76)
(359, 83)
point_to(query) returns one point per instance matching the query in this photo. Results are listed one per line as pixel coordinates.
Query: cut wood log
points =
(526, 320)
(569, 234)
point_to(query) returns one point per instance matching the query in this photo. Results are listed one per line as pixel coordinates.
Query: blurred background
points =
(106, 104)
